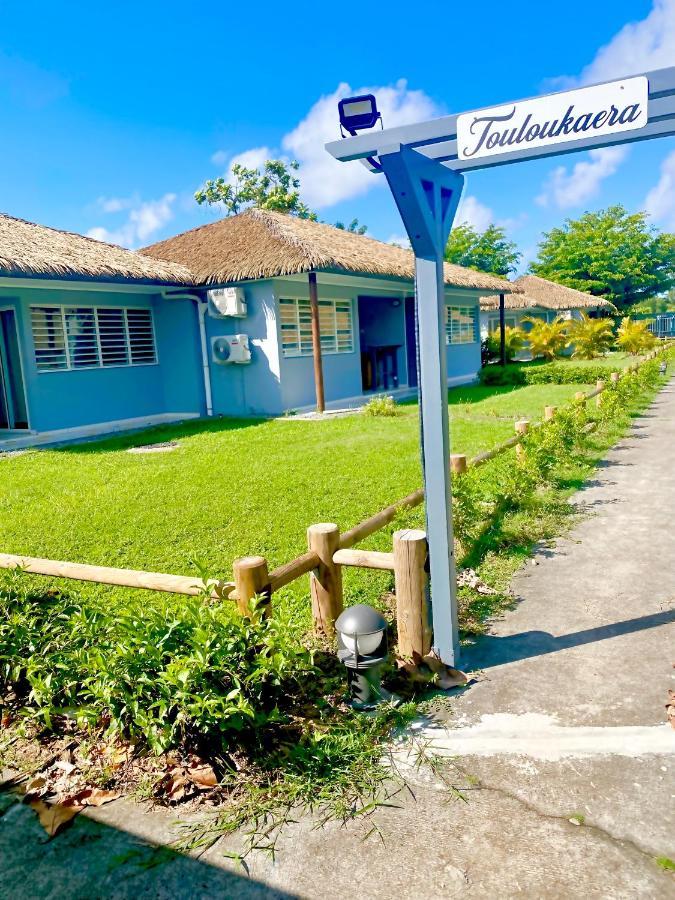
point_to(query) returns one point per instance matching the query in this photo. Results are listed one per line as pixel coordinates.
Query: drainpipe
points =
(202, 306)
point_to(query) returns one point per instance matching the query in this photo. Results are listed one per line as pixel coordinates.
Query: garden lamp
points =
(663, 368)
(362, 647)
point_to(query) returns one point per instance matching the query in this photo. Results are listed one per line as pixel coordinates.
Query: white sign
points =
(553, 119)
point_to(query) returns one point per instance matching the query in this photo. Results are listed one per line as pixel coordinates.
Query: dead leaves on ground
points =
(431, 671)
(184, 780)
(670, 707)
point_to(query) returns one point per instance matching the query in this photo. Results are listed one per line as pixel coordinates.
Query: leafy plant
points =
(547, 339)
(590, 337)
(514, 341)
(275, 187)
(487, 251)
(634, 337)
(381, 406)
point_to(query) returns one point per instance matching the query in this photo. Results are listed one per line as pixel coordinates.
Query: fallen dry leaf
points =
(202, 776)
(90, 797)
(54, 817)
(430, 669)
(37, 785)
(670, 707)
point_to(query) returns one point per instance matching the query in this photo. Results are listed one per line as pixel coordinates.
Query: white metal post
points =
(433, 383)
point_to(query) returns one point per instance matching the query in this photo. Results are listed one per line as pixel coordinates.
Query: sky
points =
(114, 114)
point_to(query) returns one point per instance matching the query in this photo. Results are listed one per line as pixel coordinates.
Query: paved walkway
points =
(567, 767)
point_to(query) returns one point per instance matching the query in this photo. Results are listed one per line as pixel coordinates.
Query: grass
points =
(234, 488)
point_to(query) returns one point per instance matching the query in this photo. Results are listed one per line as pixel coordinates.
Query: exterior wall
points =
(69, 399)
(489, 319)
(254, 388)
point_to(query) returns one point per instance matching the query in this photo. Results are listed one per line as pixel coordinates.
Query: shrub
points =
(634, 337)
(547, 339)
(164, 671)
(565, 373)
(381, 406)
(514, 341)
(591, 337)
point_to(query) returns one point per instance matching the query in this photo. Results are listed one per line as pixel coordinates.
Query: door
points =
(13, 408)
(411, 341)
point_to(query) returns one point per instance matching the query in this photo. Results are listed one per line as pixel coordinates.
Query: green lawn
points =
(238, 487)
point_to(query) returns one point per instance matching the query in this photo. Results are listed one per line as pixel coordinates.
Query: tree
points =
(612, 254)
(275, 187)
(488, 251)
(514, 341)
(656, 305)
(353, 227)
(634, 337)
(591, 337)
(547, 339)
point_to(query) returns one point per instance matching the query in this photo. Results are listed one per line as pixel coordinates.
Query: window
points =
(510, 321)
(86, 337)
(460, 325)
(335, 327)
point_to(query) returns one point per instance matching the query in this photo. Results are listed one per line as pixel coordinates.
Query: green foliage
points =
(590, 337)
(353, 227)
(381, 406)
(665, 862)
(514, 341)
(166, 672)
(547, 339)
(656, 305)
(634, 337)
(487, 251)
(275, 187)
(611, 254)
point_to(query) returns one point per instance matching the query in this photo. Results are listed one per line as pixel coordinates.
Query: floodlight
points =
(358, 113)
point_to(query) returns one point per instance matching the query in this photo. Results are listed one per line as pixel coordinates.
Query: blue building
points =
(216, 321)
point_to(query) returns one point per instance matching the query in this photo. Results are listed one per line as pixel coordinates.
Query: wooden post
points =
(326, 580)
(316, 342)
(458, 465)
(615, 377)
(522, 427)
(600, 385)
(580, 395)
(502, 332)
(251, 578)
(549, 413)
(412, 610)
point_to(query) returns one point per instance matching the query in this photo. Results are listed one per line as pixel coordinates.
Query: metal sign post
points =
(422, 164)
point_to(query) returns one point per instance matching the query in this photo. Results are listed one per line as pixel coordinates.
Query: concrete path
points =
(564, 760)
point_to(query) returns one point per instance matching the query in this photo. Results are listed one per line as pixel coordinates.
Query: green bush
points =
(165, 671)
(381, 406)
(565, 373)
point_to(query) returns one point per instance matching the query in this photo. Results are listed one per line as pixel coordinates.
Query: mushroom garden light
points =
(423, 165)
(362, 647)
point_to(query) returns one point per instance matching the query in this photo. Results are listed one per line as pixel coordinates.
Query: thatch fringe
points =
(538, 292)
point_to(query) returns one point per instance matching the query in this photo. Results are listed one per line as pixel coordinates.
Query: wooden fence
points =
(328, 551)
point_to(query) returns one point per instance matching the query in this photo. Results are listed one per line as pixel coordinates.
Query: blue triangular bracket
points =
(427, 195)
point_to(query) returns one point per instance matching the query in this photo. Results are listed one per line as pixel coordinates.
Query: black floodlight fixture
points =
(362, 647)
(358, 113)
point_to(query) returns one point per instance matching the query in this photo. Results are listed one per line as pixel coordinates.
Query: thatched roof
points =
(538, 292)
(27, 249)
(263, 244)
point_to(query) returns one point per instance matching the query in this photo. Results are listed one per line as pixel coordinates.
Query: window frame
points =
(300, 354)
(69, 367)
(448, 324)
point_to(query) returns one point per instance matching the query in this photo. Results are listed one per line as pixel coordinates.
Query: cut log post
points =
(522, 427)
(600, 387)
(614, 377)
(412, 607)
(580, 396)
(458, 464)
(251, 579)
(326, 580)
(549, 413)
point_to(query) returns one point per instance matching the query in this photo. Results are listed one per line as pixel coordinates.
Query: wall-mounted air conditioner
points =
(231, 349)
(227, 302)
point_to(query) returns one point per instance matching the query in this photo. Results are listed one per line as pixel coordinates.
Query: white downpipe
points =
(202, 306)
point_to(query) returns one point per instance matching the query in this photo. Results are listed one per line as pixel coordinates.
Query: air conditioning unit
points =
(227, 302)
(231, 349)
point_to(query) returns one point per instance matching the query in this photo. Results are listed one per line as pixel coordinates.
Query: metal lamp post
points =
(362, 647)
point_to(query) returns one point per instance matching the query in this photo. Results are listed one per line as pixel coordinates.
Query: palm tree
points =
(591, 337)
(547, 339)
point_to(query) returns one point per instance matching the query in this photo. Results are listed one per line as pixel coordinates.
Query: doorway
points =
(13, 407)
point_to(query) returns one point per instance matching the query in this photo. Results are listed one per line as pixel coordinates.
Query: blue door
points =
(13, 411)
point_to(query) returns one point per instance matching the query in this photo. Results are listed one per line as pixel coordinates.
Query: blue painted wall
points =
(67, 399)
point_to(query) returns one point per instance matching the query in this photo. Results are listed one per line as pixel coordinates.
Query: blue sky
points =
(113, 115)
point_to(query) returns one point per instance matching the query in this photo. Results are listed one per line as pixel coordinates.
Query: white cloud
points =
(399, 240)
(219, 158)
(115, 204)
(637, 47)
(474, 213)
(660, 201)
(565, 188)
(143, 221)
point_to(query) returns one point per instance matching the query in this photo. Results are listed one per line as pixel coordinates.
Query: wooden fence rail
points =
(328, 551)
